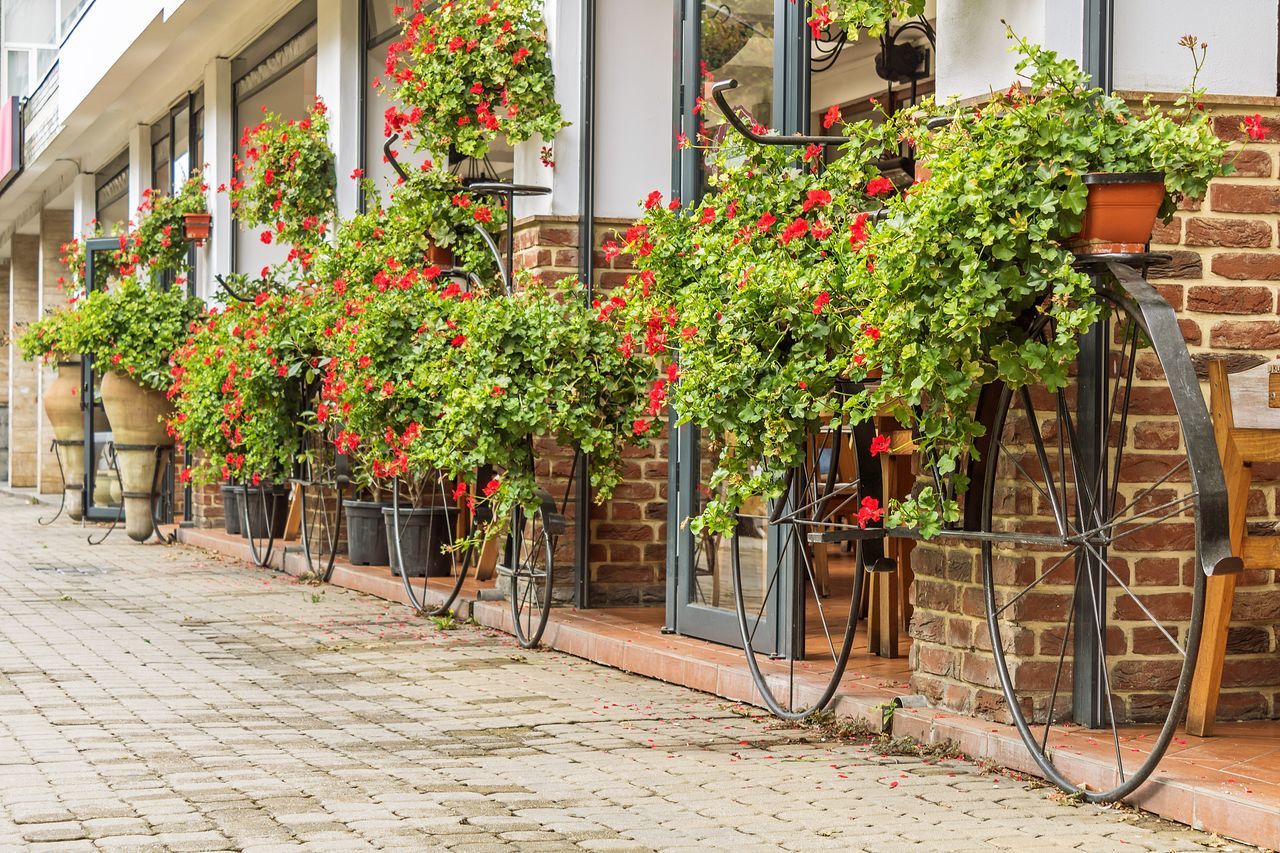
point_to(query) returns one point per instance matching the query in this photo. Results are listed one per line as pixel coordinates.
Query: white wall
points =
(973, 56)
(633, 103)
(1241, 37)
(107, 30)
(564, 38)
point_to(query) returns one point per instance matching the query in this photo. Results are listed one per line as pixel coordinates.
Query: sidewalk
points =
(158, 698)
(1228, 784)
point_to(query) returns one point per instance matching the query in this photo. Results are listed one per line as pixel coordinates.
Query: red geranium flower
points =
(880, 444)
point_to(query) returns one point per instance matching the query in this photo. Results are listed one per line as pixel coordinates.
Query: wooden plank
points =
(293, 521)
(1249, 401)
(1261, 552)
(1202, 707)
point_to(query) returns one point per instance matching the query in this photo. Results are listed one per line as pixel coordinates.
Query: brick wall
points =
(24, 382)
(628, 532)
(1224, 281)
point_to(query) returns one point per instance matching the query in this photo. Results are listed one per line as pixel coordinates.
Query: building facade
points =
(108, 98)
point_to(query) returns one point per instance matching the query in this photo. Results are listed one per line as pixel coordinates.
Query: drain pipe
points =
(586, 272)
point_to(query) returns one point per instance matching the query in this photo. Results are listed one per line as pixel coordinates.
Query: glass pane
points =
(19, 69)
(160, 166)
(30, 21)
(181, 146)
(380, 19)
(737, 43)
(197, 153)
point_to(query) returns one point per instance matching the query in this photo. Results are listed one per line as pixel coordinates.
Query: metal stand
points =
(62, 475)
(154, 497)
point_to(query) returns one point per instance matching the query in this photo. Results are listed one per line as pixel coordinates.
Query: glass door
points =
(103, 500)
(761, 44)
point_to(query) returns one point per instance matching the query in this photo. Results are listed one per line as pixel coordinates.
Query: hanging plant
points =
(158, 242)
(469, 71)
(284, 183)
(853, 16)
(49, 338)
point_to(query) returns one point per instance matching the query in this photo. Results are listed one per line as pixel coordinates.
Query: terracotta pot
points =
(1120, 212)
(440, 256)
(196, 227)
(137, 417)
(62, 407)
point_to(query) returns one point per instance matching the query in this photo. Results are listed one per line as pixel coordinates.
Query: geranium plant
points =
(157, 240)
(780, 291)
(48, 338)
(131, 328)
(853, 15)
(468, 71)
(285, 182)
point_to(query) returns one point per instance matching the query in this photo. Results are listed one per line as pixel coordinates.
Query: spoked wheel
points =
(798, 561)
(321, 488)
(529, 560)
(1094, 599)
(259, 504)
(429, 531)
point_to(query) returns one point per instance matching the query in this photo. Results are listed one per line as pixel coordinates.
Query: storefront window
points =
(285, 84)
(112, 193)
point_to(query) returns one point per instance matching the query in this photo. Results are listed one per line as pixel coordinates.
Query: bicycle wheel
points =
(1094, 603)
(798, 570)
(421, 545)
(320, 489)
(530, 563)
(261, 518)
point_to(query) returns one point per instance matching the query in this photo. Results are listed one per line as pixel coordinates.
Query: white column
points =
(338, 83)
(219, 137)
(139, 165)
(564, 37)
(84, 203)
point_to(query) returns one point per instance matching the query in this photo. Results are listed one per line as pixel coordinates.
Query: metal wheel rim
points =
(530, 635)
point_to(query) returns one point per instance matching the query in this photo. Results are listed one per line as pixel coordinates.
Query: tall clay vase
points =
(62, 406)
(137, 418)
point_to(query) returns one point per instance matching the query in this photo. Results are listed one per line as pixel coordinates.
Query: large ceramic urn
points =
(137, 417)
(62, 407)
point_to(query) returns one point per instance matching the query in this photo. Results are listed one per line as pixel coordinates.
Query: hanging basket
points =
(196, 227)
(1120, 212)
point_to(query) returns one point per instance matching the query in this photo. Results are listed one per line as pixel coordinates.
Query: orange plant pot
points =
(196, 227)
(1120, 212)
(440, 257)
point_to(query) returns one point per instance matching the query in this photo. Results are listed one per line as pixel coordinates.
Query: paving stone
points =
(181, 701)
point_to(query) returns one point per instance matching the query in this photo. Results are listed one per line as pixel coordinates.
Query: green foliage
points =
(46, 338)
(776, 324)
(157, 242)
(872, 15)
(285, 182)
(238, 389)
(469, 71)
(132, 328)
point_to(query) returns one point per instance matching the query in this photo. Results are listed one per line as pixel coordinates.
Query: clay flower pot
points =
(137, 418)
(1120, 212)
(196, 227)
(62, 407)
(440, 256)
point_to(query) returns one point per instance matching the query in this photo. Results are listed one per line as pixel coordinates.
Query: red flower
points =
(654, 199)
(831, 117)
(858, 231)
(265, 236)
(388, 389)
(708, 215)
(820, 19)
(873, 333)
(794, 231)
(821, 302)
(491, 487)
(611, 250)
(459, 340)
(765, 222)
(879, 186)
(1253, 126)
(115, 359)
(816, 198)
(357, 174)
(519, 55)
(640, 426)
(880, 444)
(869, 511)
(482, 214)
(459, 490)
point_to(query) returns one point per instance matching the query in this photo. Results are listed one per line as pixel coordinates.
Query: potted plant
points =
(469, 71)
(196, 227)
(773, 322)
(130, 331)
(45, 339)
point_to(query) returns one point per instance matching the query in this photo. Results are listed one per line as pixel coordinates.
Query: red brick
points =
(1229, 127)
(1216, 231)
(1244, 198)
(1251, 162)
(623, 532)
(1180, 265)
(1190, 332)
(1233, 299)
(1172, 293)
(1246, 334)
(1168, 233)
(1264, 266)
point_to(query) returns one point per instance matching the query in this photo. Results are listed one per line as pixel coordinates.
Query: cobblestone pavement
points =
(157, 698)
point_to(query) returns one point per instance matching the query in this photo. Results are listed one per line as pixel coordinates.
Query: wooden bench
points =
(1247, 431)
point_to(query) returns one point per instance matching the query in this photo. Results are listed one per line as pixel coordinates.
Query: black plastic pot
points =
(423, 533)
(366, 533)
(231, 509)
(275, 509)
